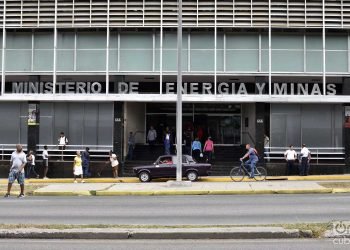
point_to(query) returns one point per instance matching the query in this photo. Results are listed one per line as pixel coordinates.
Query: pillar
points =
(260, 127)
(33, 123)
(118, 133)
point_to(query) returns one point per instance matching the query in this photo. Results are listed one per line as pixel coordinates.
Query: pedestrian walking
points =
(167, 141)
(78, 168)
(209, 149)
(151, 138)
(114, 163)
(86, 162)
(196, 149)
(131, 146)
(18, 162)
(45, 156)
(62, 143)
(31, 164)
(305, 156)
(290, 155)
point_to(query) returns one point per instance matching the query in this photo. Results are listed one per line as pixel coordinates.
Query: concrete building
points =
(97, 70)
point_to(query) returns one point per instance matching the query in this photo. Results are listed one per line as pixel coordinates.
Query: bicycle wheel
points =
(260, 174)
(237, 174)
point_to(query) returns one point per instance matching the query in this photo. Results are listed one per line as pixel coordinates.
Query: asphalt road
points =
(176, 210)
(170, 244)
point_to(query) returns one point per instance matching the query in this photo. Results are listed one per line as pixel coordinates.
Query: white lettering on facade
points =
(188, 88)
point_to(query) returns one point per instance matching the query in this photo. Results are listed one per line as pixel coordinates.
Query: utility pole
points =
(179, 96)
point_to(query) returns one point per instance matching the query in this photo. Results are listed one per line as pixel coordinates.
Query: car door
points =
(167, 168)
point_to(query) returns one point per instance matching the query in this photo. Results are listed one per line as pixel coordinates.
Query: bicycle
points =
(237, 174)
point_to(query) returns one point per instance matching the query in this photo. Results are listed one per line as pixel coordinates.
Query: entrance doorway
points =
(220, 121)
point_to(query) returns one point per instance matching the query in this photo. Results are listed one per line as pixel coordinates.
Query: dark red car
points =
(165, 167)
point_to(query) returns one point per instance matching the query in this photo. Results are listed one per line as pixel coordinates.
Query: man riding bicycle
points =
(252, 154)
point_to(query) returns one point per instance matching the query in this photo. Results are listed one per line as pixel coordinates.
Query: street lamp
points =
(179, 96)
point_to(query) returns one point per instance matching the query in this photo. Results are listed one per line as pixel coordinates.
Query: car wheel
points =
(192, 175)
(144, 176)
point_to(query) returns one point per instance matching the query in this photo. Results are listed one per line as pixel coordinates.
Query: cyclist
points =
(252, 154)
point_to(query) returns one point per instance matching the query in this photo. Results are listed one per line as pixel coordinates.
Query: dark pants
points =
(196, 155)
(208, 155)
(86, 169)
(167, 146)
(151, 146)
(188, 149)
(304, 167)
(290, 167)
(130, 152)
(30, 169)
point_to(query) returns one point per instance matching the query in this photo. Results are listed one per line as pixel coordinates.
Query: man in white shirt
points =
(18, 161)
(151, 138)
(31, 164)
(290, 155)
(62, 142)
(305, 156)
(45, 156)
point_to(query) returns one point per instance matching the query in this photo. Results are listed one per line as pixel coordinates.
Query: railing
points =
(318, 155)
(97, 152)
(7, 149)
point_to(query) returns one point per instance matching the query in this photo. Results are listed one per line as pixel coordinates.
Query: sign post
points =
(179, 96)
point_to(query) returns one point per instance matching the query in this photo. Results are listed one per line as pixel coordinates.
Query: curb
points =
(341, 190)
(62, 193)
(166, 233)
(213, 192)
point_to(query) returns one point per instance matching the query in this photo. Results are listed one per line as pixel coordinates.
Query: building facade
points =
(98, 70)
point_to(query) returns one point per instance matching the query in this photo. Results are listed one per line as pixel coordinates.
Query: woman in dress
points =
(78, 168)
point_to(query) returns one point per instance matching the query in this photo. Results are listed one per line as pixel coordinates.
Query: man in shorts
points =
(114, 163)
(18, 161)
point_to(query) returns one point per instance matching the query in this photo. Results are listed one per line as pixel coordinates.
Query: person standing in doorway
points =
(167, 141)
(86, 162)
(114, 163)
(290, 155)
(151, 138)
(305, 156)
(18, 162)
(131, 146)
(31, 164)
(45, 156)
(188, 138)
(209, 149)
(78, 168)
(62, 143)
(196, 149)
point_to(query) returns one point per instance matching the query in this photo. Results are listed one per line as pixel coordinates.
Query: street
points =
(313, 244)
(176, 210)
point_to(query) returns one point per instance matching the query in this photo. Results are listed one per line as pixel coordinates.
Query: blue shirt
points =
(196, 145)
(252, 154)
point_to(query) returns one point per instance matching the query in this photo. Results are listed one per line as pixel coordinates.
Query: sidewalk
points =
(186, 188)
(345, 177)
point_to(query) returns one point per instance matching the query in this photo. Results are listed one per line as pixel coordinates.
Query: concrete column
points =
(346, 131)
(34, 129)
(118, 133)
(260, 127)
